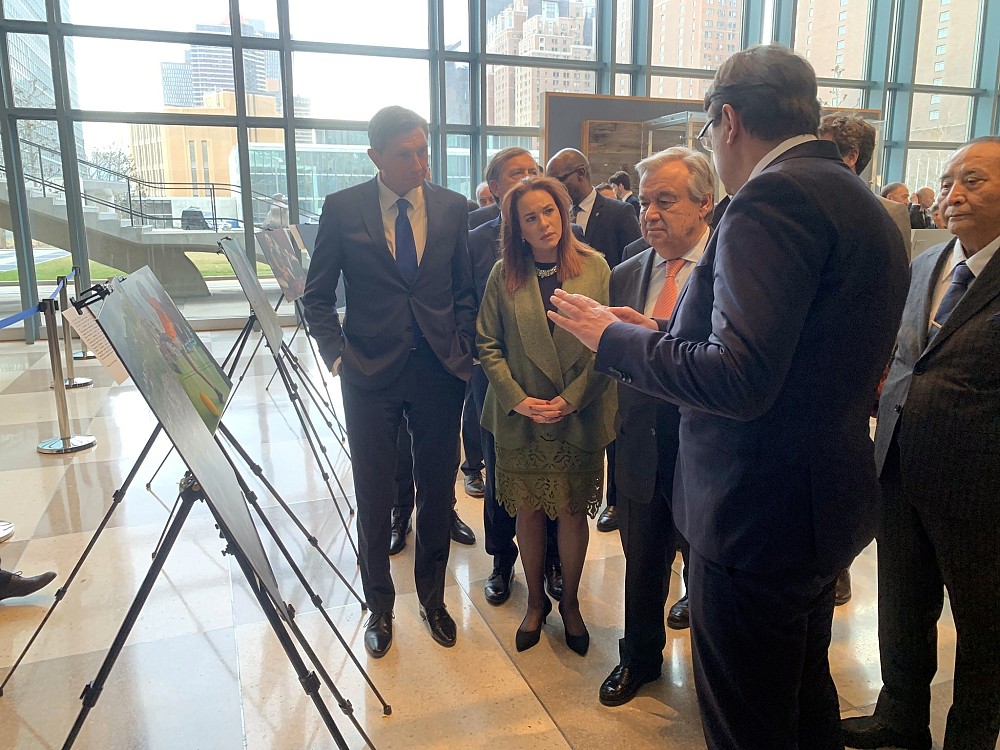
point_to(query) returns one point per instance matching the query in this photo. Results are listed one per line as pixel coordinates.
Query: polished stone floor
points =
(202, 668)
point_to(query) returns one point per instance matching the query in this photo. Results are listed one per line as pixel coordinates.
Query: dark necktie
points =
(406, 246)
(960, 280)
(574, 211)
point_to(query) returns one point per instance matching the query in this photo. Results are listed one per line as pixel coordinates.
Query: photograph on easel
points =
(247, 277)
(128, 323)
(187, 357)
(283, 258)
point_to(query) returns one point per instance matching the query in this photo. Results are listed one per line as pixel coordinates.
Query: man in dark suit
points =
(676, 191)
(621, 183)
(773, 356)
(483, 214)
(919, 208)
(937, 450)
(608, 227)
(405, 350)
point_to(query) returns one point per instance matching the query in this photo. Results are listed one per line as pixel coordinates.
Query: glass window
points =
(941, 49)
(158, 77)
(496, 143)
(391, 23)
(268, 171)
(456, 25)
(459, 165)
(623, 31)
(260, 18)
(328, 161)
(924, 167)
(530, 30)
(679, 48)
(457, 93)
(515, 95)
(31, 70)
(960, 56)
(664, 87)
(323, 83)
(262, 79)
(208, 16)
(838, 42)
(623, 84)
(25, 10)
(841, 96)
(946, 120)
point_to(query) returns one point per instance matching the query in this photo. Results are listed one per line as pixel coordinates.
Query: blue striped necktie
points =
(406, 246)
(960, 280)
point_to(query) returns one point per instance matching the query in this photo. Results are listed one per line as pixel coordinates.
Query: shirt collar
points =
(587, 204)
(387, 197)
(691, 256)
(977, 262)
(777, 151)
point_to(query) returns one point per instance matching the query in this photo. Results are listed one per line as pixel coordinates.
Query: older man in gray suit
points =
(937, 449)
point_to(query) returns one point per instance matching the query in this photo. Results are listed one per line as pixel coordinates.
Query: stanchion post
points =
(71, 380)
(67, 442)
(84, 352)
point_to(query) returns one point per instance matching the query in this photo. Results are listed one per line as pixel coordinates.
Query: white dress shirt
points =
(976, 264)
(417, 214)
(658, 274)
(586, 207)
(777, 151)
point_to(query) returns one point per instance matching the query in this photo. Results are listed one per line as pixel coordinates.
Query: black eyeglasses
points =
(563, 178)
(705, 136)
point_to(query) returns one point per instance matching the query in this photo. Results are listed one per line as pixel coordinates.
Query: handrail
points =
(209, 188)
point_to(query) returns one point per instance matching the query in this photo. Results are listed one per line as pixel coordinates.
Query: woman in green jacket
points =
(550, 413)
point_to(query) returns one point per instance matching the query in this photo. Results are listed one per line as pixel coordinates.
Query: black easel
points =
(190, 492)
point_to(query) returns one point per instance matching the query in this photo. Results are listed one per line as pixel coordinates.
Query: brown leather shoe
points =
(17, 585)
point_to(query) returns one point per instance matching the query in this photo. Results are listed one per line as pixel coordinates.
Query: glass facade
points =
(139, 134)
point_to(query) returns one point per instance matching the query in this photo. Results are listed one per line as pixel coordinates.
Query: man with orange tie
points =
(676, 201)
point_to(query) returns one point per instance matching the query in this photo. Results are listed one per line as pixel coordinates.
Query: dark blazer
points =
(482, 215)
(484, 250)
(612, 225)
(919, 218)
(376, 336)
(774, 352)
(646, 427)
(633, 201)
(942, 402)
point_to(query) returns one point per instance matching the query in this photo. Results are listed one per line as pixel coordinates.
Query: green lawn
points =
(211, 266)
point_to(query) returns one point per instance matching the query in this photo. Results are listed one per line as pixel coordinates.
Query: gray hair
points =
(700, 182)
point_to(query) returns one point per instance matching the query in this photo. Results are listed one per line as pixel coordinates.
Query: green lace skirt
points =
(550, 475)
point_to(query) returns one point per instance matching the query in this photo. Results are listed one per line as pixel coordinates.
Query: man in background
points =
(622, 185)
(920, 204)
(483, 195)
(896, 191)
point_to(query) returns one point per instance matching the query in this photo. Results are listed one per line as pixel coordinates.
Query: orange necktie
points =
(664, 306)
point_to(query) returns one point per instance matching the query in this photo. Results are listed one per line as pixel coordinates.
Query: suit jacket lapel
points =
(433, 206)
(534, 328)
(595, 211)
(567, 347)
(371, 214)
(985, 289)
(926, 287)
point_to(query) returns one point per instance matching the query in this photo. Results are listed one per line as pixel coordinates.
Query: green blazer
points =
(521, 359)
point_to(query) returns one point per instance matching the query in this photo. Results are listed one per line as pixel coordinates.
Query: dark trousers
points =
(430, 398)
(498, 525)
(610, 488)
(650, 543)
(920, 553)
(471, 437)
(761, 670)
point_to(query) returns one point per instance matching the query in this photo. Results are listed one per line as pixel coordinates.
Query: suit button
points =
(652, 432)
(626, 378)
(615, 372)
(919, 368)
(898, 408)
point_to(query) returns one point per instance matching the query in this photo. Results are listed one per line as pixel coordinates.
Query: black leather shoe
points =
(842, 588)
(623, 683)
(460, 531)
(608, 520)
(400, 528)
(443, 629)
(474, 486)
(553, 581)
(18, 585)
(498, 585)
(679, 618)
(867, 733)
(378, 634)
